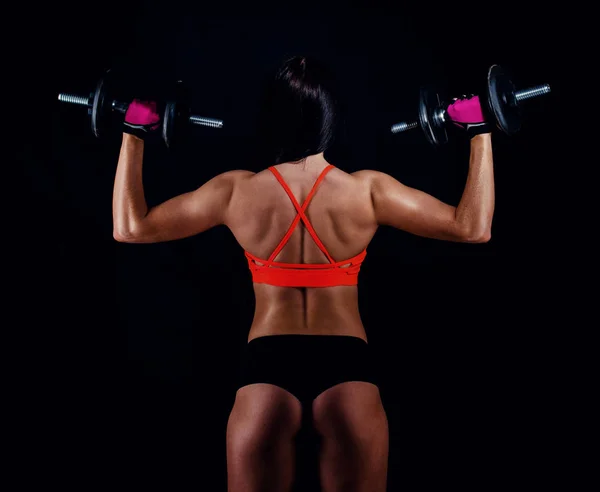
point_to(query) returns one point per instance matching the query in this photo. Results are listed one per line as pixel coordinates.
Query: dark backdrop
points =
(145, 338)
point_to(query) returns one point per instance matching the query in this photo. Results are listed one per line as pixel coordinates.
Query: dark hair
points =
(299, 115)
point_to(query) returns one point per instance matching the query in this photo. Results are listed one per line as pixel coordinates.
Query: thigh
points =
(352, 423)
(351, 410)
(260, 440)
(263, 412)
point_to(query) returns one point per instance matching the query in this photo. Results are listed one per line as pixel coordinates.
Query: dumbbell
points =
(501, 103)
(100, 106)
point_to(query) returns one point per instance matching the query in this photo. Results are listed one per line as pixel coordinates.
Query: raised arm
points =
(182, 216)
(419, 213)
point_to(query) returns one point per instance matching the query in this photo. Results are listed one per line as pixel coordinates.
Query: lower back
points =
(306, 311)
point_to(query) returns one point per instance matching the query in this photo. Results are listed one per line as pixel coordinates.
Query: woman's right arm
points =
(419, 213)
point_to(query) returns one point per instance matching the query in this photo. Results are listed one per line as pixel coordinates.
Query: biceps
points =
(417, 212)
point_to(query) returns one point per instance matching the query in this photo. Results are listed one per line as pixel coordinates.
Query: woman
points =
(304, 226)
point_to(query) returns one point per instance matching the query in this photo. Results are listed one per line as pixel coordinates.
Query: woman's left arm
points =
(181, 216)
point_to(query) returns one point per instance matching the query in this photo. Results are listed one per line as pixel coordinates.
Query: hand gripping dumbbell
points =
(100, 105)
(501, 101)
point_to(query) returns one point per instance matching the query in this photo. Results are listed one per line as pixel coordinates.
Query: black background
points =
(142, 341)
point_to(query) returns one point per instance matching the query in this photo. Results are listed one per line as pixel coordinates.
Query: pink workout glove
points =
(141, 118)
(465, 112)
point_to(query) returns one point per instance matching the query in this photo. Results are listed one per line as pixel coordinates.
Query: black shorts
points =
(306, 365)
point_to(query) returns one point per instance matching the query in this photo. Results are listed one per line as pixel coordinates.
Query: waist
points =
(337, 319)
(326, 342)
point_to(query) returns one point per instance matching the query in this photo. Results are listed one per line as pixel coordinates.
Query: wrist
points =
(130, 139)
(481, 139)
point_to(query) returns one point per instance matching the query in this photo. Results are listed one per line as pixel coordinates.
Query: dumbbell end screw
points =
(538, 90)
(211, 122)
(73, 99)
(402, 127)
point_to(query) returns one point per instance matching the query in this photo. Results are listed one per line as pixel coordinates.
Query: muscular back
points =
(345, 213)
(341, 213)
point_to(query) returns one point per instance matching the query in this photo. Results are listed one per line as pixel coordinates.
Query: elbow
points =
(478, 236)
(137, 232)
(123, 234)
(475, 233)
(482, 237)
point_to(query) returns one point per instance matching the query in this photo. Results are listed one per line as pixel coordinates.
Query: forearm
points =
(129, 202)
(476, 208)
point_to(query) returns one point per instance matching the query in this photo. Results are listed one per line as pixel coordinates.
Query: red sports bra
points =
(304, 274)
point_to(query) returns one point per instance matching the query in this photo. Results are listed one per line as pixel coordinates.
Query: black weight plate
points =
(176, 116)
(101, 108)
(169, 122)
(501, 100)
(429, 103)
(97, 105)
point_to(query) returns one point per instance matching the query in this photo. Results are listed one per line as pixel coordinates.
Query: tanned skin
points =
(345, 212)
